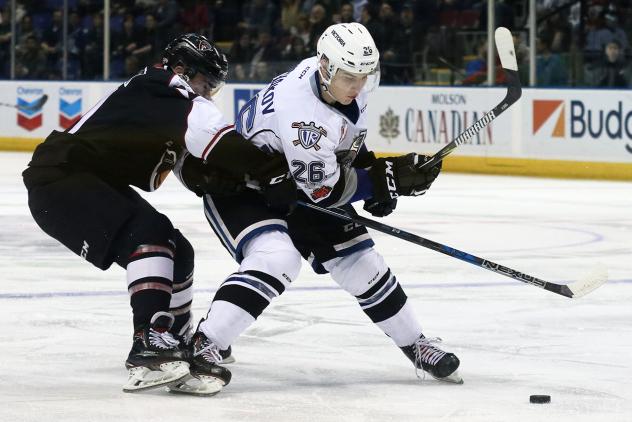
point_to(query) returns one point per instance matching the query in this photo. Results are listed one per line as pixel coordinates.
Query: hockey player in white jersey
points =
(315, 116)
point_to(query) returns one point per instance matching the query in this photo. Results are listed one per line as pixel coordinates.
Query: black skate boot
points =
(227, 355)
(185, 337)
(441, 365)
(156, 358)
(207, 376)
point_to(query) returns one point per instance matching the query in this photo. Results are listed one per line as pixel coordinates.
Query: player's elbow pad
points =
(236, 156)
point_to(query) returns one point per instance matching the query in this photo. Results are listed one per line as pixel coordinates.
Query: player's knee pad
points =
(358, 272)
(144, 229)
(184, 258)
(273, 253)
(365, 275)
(270, 264)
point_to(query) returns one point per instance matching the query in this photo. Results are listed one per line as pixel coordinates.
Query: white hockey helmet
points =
(350, 47)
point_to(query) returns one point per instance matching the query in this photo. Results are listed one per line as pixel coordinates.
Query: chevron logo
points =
(543, 110)
(69, 112)
(29, 119)
(69, 106)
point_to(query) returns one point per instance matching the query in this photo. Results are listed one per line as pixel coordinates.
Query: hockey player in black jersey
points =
(315, 116)
(79, 192)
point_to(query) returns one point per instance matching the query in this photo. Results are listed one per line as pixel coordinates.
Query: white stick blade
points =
(505, 47)
(593, 280)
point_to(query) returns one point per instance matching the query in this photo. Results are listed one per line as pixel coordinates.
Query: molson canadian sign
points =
(424, 119)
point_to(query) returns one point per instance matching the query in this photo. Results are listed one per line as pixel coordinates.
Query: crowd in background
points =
(579, 43)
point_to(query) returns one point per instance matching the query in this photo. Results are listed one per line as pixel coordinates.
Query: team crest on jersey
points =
(308, 134)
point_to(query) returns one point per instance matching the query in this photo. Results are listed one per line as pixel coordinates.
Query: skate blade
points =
(229, 359)
(142, 378)
(454, 378)
(198, 386)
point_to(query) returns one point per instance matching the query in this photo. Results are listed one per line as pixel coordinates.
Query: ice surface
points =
(313, 355)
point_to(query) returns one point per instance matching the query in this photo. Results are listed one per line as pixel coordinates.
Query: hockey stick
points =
(572, 290)
(36, 106)
(505, 47)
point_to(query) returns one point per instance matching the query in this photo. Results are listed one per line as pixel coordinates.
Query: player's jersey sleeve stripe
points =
(216, 138)
(205, 126)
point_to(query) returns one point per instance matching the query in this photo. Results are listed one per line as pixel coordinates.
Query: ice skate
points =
(426, 356)
(227, 355)
(207, 376)
(155, 359)
(185, 337)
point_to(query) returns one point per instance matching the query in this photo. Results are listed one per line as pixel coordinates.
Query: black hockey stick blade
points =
(36, 106)
(571, 290)
(505, 47)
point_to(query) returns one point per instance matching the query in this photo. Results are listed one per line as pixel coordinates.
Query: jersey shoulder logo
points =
(308, 134)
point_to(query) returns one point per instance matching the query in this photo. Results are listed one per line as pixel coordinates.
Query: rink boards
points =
(548, 132)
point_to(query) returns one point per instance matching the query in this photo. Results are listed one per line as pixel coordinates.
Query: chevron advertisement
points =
(70, 100)
(29, 118)
(24, 124)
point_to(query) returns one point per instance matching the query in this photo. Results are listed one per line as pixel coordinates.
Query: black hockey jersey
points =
(134, 135)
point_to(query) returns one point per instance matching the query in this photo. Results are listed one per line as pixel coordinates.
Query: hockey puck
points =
(538, 398)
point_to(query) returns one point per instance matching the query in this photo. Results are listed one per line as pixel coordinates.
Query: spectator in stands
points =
(557, 28)
(239, 72)
(607, 29)
(550, 71)
(295, 51)
(290, 12)
(504, 14)
(303, 31)
(478, 65)
(5, 43)
(612, 70)
(260, 72)
(478, 70)
(388, 20)
(167, 25)
(265, 50)
(51, 45)
(225, 19)
(195, 17)
(149, 43)
(75, 45)
(25, 30)
(92, 63)
(242, 50)
(406, 41)
(126, 41)
(375, 27)
(258, 16)
(31, 60)
(346, 14)
(318, 23)
(331, 6)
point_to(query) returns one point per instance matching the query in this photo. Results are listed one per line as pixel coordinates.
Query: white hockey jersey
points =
(319, 141)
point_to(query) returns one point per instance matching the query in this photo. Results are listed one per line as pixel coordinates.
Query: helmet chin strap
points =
(325, 85)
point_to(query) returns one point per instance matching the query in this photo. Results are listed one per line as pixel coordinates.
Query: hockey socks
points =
(149, 281)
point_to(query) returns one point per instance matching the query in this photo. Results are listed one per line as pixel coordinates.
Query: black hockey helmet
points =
(196, 54)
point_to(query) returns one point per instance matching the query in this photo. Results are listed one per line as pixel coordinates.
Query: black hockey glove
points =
(380, 209)
(276, 184)
(395, 176)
